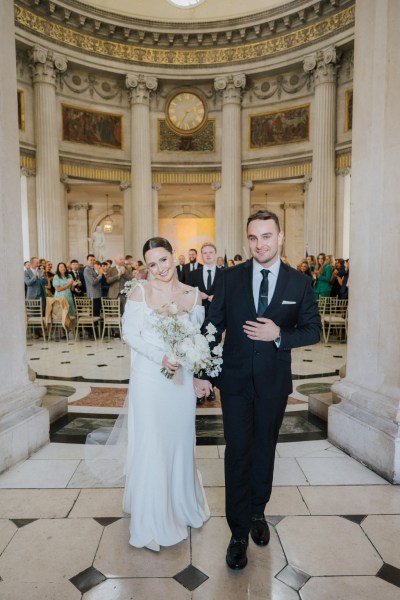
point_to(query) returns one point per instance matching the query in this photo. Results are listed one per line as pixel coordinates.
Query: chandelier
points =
(107, 223)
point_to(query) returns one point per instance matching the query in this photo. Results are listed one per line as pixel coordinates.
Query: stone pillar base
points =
(23, 431)
(371, 438)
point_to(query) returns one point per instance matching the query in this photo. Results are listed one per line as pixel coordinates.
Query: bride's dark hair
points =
(157, 242)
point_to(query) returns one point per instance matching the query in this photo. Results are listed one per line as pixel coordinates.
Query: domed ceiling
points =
(197, 11)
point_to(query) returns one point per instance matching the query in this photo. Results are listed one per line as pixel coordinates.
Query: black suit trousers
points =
(251, 428)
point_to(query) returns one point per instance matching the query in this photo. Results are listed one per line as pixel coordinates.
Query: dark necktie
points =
(208, 281)
(263, 296)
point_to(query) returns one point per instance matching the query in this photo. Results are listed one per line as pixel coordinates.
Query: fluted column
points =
(125, 187)
(140, 89)
(343, 183)
(219, 219)
(307, 216)
(247, 188)
(366, 421)
(322, 197)
(78, 227)
(156, 189)
(51, 213)
(24, 425)
(230, 87)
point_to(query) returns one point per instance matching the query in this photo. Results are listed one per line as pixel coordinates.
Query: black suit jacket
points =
(187, 272)
(195, 279)
(180, 272)
(292, 308)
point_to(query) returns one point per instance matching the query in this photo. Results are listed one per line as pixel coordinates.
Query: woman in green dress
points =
(322, 274)
(64, 284)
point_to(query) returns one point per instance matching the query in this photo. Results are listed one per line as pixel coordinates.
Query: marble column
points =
(343, 186)
(219, 220)
(156, 189)
(24, 424)
(366, 421)
(51, 213)
(231, 87)
(321, 213)
(307, 216)
(140, 88)
(247, 188)
(28, 206)
(78, 228)
(125, 187)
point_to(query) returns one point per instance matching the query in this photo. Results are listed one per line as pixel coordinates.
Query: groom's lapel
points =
(248, 286)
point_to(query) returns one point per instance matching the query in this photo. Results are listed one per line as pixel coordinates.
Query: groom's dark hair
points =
(264, 215)
(157, 242)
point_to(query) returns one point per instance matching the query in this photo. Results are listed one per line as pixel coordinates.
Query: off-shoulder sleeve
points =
(132, 325)
(197, 314)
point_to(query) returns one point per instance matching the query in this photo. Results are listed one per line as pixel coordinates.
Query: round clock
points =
(186, 112)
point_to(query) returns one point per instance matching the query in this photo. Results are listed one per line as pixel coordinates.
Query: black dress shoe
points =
(236, 554)
(211, 396)
(259, 530)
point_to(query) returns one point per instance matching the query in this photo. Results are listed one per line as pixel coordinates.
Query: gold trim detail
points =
(21, 110)
(27, 161)
(343, 161)
(280, 172)
(182, 57)
(182, 178)
(94, 173)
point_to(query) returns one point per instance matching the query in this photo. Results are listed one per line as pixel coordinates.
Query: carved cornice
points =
(175, 48)
(289, 84)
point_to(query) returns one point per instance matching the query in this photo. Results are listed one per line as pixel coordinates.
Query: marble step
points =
(56, 405)
(318, 404)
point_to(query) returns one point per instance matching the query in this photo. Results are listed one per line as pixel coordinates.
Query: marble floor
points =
(335, 524)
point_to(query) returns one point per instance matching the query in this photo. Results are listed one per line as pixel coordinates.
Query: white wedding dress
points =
(163, 490)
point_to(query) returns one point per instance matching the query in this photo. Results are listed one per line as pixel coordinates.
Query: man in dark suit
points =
(192, 265)
(206, 279)
(267, 308)
(180, 267)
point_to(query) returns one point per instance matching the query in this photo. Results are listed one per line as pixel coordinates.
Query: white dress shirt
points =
(207, 268)
(272, 279)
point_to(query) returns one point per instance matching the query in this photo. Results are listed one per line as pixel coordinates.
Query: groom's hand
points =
(202, 387)
(262, 330)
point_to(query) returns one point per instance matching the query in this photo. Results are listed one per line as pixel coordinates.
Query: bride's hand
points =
(169, 366)
(202, 387)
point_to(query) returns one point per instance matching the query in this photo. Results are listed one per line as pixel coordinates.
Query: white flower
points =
(211, 328)
(185, 343)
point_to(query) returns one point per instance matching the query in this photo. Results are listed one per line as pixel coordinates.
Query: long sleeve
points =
(132, 325)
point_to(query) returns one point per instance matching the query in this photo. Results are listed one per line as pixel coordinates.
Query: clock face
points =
(186, 113)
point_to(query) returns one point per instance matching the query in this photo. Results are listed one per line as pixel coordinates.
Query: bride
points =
(163, 490)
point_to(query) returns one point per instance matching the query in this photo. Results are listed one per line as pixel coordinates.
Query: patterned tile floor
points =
(335, 524)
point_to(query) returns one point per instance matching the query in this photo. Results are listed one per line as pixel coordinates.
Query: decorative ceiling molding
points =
(177, 48)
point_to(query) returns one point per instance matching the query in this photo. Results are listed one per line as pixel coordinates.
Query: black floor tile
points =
(355, 518)
(293, 577)
(87, 579)
(104, 365)
(104, 521)
(22, 522)
(191, 578)
(390, 574)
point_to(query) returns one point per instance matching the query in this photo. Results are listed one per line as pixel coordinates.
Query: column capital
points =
(248, 184)
(27, 172)
(343, 171)
(215, 186)
(45, 65)
(156, 186)
(124, 185)
(323, 64)
(230, 87)
(78, 206)
(140, 87)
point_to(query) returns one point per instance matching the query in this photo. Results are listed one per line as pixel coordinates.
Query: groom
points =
(266, 308)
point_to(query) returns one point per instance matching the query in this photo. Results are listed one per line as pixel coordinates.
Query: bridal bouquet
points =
(128, 287)
(186, 345)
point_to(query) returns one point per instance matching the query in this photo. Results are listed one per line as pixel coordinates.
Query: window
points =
(185, 3)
